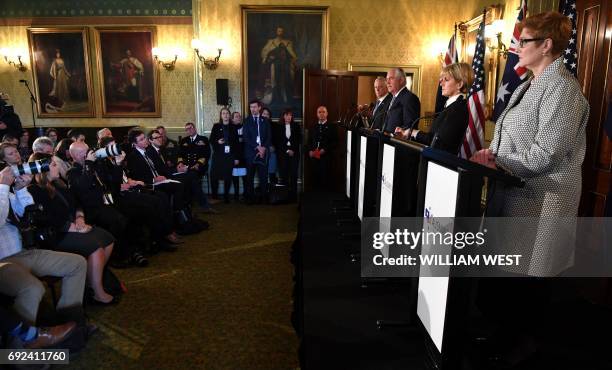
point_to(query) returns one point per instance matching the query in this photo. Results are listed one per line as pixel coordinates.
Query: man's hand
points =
(321, 151)
(2, 125)
(119, 158)
(182, 168)
(221, 141)
(22, 181)
(91, 156)
(159, 179)
(125, 187)
(310, 153)
(81, 226)
(6, 176)
(236, 162)
(290, 152)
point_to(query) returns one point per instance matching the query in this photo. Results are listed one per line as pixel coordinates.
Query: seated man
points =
(97, 201)
(169, 147)
(144, 207)
(141, 167)
(30, 336)
(194, 152)
(20, 267)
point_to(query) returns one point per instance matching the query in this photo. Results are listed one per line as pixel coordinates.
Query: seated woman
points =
(448, 128)
(73, 234)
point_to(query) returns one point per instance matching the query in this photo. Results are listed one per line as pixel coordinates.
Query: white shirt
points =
(451, 100)
(287, 130)
(193, 137)
(400, 90)
(10, 238)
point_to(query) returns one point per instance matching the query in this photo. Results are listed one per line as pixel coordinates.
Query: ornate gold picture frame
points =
(278, 43)
(61, 72)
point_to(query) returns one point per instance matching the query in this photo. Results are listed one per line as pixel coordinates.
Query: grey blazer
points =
(541, 137)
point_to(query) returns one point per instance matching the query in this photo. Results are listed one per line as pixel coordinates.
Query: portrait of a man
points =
(128, 73)
(278, 43)
(61, 72)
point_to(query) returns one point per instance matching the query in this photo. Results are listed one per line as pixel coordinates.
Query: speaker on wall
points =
(222, 91)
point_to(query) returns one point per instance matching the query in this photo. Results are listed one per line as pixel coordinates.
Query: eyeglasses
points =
(522, 42)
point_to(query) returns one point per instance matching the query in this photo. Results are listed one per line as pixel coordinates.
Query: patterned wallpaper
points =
(177, 87)
(382, 31)
(94, 8)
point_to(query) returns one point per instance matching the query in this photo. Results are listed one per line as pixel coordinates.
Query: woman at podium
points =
(540, 137)
(448, 128)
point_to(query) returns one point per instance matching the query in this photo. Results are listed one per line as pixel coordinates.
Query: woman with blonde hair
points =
(448, 128)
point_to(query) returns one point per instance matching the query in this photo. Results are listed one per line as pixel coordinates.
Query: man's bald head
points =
(78, 151)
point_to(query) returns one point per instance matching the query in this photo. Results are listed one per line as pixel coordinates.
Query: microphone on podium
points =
(413, 125)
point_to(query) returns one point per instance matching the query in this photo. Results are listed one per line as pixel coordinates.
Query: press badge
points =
(227, 149)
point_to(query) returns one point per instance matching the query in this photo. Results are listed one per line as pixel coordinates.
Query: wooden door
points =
(337, 90)
(594, 32)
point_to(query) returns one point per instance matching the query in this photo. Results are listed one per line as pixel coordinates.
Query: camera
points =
(109, 151)
(32, 232)
(30, 168)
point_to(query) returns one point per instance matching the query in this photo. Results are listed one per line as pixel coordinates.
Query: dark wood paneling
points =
(594, 29)
(337, 90)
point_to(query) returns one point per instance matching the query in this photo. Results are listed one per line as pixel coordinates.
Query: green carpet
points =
(222, 301)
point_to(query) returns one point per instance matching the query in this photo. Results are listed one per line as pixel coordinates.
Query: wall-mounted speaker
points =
(222, 91)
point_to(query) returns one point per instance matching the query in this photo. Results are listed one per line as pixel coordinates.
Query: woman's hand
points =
(484, 157)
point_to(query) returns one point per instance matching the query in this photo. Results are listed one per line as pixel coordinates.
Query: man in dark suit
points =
(381, 106)
(322, 142)
(404, 107)
(257, 140)
(194, 152)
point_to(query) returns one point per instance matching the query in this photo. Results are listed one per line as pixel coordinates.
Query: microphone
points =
(413, 125)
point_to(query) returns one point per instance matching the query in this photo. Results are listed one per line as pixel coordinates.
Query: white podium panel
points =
(362, 165)
(349, 135)
(440, 201)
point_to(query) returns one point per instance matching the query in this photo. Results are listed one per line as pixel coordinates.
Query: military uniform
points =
(324, 136)
(195, 151)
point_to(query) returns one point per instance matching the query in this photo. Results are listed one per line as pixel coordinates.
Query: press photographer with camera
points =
(9, 120)
(73, 234)
(21, 267)
(88, 187)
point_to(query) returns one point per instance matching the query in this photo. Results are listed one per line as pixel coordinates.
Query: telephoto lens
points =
(109, 151)
(30, 168)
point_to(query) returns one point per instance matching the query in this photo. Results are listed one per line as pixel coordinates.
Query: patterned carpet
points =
(222, 301)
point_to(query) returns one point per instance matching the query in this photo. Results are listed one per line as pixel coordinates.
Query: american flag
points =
(450, 58)
(474, 135)
(514, 75)
(570, 55)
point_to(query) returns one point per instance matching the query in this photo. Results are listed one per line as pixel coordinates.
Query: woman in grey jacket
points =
(540, 137)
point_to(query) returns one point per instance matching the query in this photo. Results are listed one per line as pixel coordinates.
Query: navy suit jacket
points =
(249, 134)
(403, 111)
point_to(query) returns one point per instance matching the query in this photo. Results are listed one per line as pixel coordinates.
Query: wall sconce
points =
(159, 53)
(210, 63)
(8, 57)
(495, 30)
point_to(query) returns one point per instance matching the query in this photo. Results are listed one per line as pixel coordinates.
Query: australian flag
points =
(514, 75)
(449, 58)
(473, 140)
(570, 55)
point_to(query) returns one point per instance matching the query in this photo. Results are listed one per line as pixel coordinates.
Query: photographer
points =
(74, 235)
(97, 200)
(22, 266)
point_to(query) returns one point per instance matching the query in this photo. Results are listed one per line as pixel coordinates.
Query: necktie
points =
(151, 165)
(376, 107)
(391, 104)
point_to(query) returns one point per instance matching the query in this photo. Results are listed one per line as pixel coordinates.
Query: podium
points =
(451, 187)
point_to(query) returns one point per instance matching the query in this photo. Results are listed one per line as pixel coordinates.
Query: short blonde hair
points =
(460, 72)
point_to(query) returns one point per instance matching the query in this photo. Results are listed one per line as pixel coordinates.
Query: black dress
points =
(59, 212)
(223, 155)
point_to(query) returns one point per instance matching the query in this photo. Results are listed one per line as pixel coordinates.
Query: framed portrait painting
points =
(61, 72)
(128, 75)
(278, 43)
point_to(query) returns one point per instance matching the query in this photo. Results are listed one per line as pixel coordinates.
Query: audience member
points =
(224, 141)
(257, 140)
(288, 141)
